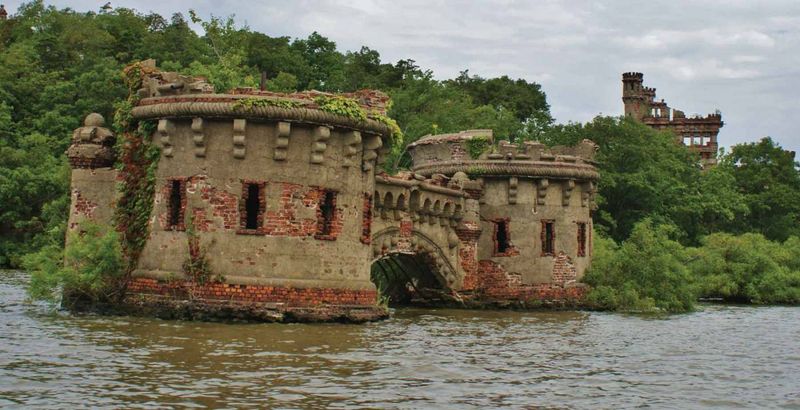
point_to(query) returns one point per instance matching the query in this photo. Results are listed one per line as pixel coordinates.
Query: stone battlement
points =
(699, 133)
(474, 153)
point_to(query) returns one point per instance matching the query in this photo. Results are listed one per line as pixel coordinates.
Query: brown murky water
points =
(720, 357)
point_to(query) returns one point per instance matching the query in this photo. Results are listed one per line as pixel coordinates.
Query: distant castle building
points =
(697, 133)
(3, 12)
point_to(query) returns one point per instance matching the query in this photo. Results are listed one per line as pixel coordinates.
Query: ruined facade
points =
(698, 133)
(296, 217)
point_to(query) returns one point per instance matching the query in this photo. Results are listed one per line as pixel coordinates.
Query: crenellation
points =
(698, 133)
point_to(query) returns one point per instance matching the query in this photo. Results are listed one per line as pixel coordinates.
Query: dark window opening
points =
(501, 237)
(176, 198)
(327, 209)
(548, 238)
(252, 206)
(581, 239)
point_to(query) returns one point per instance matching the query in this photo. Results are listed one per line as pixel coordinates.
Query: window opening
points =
(252, 206)
(548, 238)
(175, 201)
(581, 239)
(328, 210)
(501, 237)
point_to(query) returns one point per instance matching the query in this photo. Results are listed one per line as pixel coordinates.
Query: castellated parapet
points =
(289, 201)
(697, 132)
(531, 225)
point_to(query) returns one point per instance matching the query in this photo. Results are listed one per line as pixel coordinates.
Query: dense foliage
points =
(645, 272)
(87, 269)
(56, 66)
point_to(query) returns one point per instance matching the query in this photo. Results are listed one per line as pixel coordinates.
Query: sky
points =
(741, 57)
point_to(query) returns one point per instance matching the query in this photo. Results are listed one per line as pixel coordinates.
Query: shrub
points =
(644, 273)
(88, 269)
(747, 268)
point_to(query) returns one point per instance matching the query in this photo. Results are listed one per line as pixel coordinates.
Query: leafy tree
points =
(645, 174)
(91, 263)
(747, 268)
(767, 177)
(644, 273)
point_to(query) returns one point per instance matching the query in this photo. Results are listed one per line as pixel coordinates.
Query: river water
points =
(720, 357)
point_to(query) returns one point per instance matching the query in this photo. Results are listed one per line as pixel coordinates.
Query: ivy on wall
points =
(137, 163)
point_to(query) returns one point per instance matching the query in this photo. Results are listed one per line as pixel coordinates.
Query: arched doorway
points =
(412, 271)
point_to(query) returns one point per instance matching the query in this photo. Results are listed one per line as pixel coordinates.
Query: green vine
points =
(138, 160)
(251, 103)
(397, 133)
(338, 105)
(477, 145)
(197, 267)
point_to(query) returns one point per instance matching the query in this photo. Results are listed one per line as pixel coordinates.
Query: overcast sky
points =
(739, 56)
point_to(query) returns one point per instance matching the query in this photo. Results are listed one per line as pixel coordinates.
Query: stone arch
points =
(413, 202)
(401, 202)
(389, 241)
(388, 200)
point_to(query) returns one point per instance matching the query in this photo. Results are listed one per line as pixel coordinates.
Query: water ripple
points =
(719, 357)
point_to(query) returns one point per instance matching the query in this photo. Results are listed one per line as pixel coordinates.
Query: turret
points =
(3, 12)
(93, 184)
(633, 95)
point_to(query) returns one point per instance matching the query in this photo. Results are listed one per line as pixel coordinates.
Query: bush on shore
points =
(88, 269)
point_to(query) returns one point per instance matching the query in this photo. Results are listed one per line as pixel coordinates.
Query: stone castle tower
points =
(697, 133)
(297, 219)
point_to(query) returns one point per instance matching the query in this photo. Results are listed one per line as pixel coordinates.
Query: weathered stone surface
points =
(291, 208)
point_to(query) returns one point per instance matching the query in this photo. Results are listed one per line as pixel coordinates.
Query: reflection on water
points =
(719, 357)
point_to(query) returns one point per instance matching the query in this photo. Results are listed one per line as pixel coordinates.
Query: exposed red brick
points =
(254, 293)
(366, 222)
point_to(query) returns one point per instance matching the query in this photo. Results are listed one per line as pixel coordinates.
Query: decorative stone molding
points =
(283, 131)
(165, 129)
(198, 137)
(547, 169)
(541, 191)
(320, 137)
(92, 145)
(587, 192)
(371, 145)
(352, 142)
(225, 106)
(513, 183)
(566, 191)
(239, 141)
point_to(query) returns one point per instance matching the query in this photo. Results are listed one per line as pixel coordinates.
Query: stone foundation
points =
(179, 299)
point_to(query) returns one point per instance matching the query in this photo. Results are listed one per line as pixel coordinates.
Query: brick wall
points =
(366, 221)
(254, 293)
(494, 283)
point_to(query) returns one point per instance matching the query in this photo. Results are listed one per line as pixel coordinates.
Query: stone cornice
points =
(225, 106)
(542, 169)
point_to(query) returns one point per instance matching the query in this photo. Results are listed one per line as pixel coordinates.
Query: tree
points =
(767, 176)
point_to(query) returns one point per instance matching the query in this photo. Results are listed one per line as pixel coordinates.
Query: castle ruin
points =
(697, 133)
(298, 219)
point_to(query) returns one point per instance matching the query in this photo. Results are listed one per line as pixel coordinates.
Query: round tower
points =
(93, 181)
(270, 187)
(534, 209)
(633, 95)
